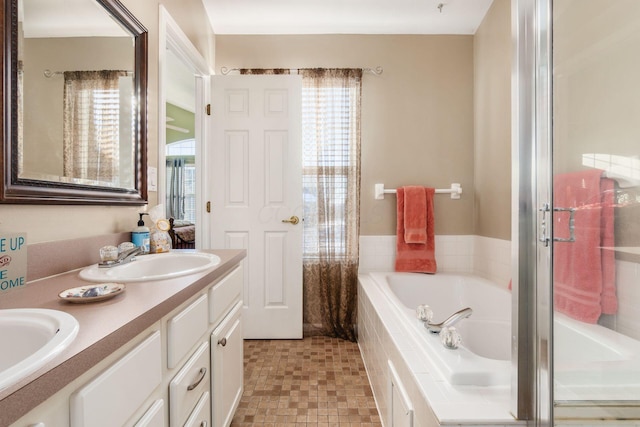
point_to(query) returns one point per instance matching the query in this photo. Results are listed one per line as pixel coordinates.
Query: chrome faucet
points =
(124, 257)
(450, 321)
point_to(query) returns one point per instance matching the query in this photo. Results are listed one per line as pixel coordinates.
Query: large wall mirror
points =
(74, 111)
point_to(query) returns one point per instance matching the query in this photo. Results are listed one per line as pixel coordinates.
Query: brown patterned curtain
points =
(331, 185)
(264, 71)
(91, 125)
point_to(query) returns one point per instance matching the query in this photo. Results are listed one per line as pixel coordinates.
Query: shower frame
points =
(532, 315)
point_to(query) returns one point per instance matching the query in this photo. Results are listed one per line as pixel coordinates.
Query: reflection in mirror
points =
(180, 151)
(79, 90)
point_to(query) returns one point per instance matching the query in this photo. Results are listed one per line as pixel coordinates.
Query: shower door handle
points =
(572, 225)
(543, 225)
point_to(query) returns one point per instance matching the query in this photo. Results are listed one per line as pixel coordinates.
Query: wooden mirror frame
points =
(16, 190)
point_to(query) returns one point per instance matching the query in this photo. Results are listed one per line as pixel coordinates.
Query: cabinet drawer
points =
(154, 417)
(188, 385)
(201, 415)
(185, 329)
(224, 295)
(125, 386)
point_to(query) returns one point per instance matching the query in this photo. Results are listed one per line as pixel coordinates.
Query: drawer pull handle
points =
(203, 372)
(223, 342)
(204, 424)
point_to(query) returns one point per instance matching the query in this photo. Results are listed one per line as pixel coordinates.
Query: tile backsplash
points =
(50, 258)
(491, 258)
(484, 256)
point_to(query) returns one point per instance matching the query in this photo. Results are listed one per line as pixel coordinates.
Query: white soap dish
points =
(92, 293)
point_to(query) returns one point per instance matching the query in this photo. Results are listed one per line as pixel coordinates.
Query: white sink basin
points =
(30, 338)
(152, 267)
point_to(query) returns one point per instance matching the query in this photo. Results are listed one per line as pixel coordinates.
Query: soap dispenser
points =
(140, 235)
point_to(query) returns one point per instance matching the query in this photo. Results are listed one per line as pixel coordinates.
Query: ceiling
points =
(51, 18)
(346, 16)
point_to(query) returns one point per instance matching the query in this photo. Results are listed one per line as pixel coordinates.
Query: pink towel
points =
(415, 215)
(415, 257)
(584, 272)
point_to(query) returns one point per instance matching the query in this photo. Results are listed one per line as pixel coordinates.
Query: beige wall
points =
(492, 124)
(418, 120)
(47, 223)
(597, 94)
(417, 117)
(43, 96)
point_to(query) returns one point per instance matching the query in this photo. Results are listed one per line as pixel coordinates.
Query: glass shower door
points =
(596, 211)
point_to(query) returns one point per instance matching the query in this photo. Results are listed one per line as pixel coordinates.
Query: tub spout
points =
(450, 321)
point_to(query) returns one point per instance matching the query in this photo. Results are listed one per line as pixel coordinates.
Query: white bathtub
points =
(590, 361)
(484, 356)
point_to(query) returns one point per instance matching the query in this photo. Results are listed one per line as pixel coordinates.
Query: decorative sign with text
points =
(13, 261)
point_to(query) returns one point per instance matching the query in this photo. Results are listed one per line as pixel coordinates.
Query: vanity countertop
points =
(104, 326)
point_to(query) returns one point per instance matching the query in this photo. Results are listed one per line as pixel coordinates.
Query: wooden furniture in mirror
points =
(74, 111)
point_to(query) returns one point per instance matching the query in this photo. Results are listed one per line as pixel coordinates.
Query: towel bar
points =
(455, 191)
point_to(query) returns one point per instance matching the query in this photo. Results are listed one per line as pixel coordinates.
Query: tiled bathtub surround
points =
(483, 256)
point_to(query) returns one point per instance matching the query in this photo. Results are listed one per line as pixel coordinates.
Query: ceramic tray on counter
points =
(92, 293)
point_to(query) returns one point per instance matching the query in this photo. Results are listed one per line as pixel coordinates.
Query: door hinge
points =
(208, 207)
(208, 109)
(543, 224)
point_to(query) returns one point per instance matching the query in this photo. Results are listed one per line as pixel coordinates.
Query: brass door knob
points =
(293, 220)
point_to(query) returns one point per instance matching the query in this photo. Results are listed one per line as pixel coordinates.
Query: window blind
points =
(328, 128)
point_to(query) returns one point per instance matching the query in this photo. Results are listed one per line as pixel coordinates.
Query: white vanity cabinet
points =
(184, 370)
(214, 321)
(227, 364)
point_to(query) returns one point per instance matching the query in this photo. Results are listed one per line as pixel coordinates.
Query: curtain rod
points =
(48, 73)
(375, 71)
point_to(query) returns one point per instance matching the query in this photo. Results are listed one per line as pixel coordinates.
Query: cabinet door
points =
(227, 367)
(116, 394)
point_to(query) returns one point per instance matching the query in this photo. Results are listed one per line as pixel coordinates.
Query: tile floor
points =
(317, 381)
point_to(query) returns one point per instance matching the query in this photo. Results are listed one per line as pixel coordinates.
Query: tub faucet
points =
(124, 257)
(450, 321)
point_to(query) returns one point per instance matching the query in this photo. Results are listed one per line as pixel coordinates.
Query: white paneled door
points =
(255, 167)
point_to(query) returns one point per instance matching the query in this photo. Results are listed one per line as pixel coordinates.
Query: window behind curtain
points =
(330, 160)
(184, 190)
(186, 196)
